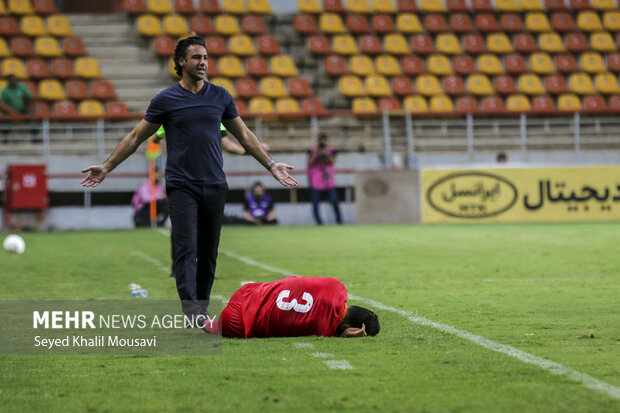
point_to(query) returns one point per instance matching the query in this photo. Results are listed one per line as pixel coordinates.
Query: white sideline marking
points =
(338, 364)
(303, 345)
(551, 366)
(322, 355)
(151, 260)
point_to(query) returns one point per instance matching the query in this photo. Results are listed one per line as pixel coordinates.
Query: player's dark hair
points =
(356, 316)
(181, 48)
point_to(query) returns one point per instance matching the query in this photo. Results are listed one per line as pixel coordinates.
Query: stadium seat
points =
(532, 5)
(611, 20)
(566, 63)
(555, 5)
(439, 65)
(530, 84)
(299, 87)
(518, 103)
(73, 47)
(603, 42)
(588, 21)
(613, 62)
(569, 102)
(216, 45)
(116, 109)
(537, 22)
(309, 6)
(231, 66)
(246, 88)
(415, 104)
(41, 109)
(428, 85)
(541, 63)
(226, 25)
(461, 23)
(241, 45)
(9, 26)
(319, 44)
(454, 85)
(351, 86)
(486, 22)
(226, 83)
(65, 108)
(77, 90)
(272, 87)
(390, 104)
(283, 65)
(383, 6)
(377, 85)
(448, 43)
(234, 7)
(457, 6)
(259, 7)
(344, 44)
(412, 65)
(212, 69)
(102, 90)
(464, 64)
(336, 65)
(580, 4)
(422, 44)
(592, 62)
(185, 7)
(408, 6)
(331, 23)
(4, 48)
(482, 5)
(287, 106)
(363, 105)
(159, 7)
(37, 68)
(334, 6)
(492, 104)
(44, 7)
(20, 7)
(312, 106)
(358, 6)
(51, 89)
(268, 45)
(305, 24)
(91, 107)
(58, 25)
(441, 104)
(556, 84)
(211, 7)
(551, 42)
(47, 46)
(357, 24)
(525, 43)
(511, 22)
(395, 43)
(543, 104)
(474, 43)
(383, 23)
(432, 6)
(361, 65)
(580, 83)
(149, 25)
(32, 26)
(163, 46)
(604, 4)
(387, 65)
(435, 23)
(479, 85)
(370, 44)
(606, 83)
(577, 42)
(507, 5)
(614, 103)
(87, 68)
(22, 47)
(504, 85)
(490, 64)
(466, 104)
(171, 68)
(402, 86)
(594, 103)
(562, 21)
(14, 66)
(408, 23)
(135, 7)
(499, 43)
(175, 25)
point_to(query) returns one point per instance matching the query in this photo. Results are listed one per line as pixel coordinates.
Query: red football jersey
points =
(294, 306)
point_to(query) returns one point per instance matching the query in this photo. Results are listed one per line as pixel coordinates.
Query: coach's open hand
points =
(280, 172)
(96, 174)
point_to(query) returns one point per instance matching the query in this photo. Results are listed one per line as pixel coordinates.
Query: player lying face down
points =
(296, 306)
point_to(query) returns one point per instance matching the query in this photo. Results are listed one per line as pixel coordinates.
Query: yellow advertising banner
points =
(521, 195)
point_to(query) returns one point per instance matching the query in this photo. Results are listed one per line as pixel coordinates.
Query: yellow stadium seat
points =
(518, 103)
(377, 85)
(408, 23)
(589, 21)
(490, 64)
(436, 6)
(383, 6)
(358, 6)
(149, 25)
(439, 64)
(532, 5)
(159, 6)
(344, 44)
(569, 102)
(364, 105)
(87, 67)
(227, 24)
(396, 43)
(592, 62)
(171, 67)
(541, 63)
(175, 25)
(283, 65)
(3, 12)
(59, 25)
(580, 83)
(20, 7)
(441, 104)
(361, 65)
(604, 4)
(428, 85)
(230, 66)
(499, 43)
(507, 5)
(32, 26)
(287, 106)
(551, 42)
(309, 6)
(387, 65)
(479, 85)
(14, 66)
(241, 45)
(4, 49)
(351, 86)
(611, 20)
(261, 105)
(234, 6)
(259, 7)
(331, 23)
(415, 104)
(603, 42)
(91, 107)
(530, 84)
(537, 22)
(226, 83)
(448, 43)
(47, 46)
(607, 83)
(51, 89)
(272, 87)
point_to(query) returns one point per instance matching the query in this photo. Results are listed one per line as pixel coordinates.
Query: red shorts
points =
(232, 317)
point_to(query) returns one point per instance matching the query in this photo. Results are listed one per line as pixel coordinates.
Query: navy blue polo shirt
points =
(192, 124)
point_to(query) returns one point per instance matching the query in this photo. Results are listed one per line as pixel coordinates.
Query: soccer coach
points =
(191, 111)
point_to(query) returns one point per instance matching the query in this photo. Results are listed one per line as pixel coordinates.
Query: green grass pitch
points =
(550, 290)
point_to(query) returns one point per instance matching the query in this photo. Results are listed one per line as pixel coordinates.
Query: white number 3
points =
(293, 304)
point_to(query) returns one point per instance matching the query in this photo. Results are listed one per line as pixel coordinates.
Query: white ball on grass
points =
(14, 243)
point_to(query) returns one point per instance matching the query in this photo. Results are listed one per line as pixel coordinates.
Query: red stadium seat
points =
(44, 7)
(389, 104)
(216, 45)
(254, 25)
(474, 43)
(562, 21)
(202, 25)
(62, 68)
(334, 6)
(102, 90)
(515, 64)
(210, 7)
(164, 46)
(486, 22)
(73, 47)
(422, 44)
(594, 103)
(543, 104)
(212, 70)
(492, 104)
(41, 109)
(511, 22)
(577, 42)
(257, 66)
(525, 43)
(319, 44)
(383, 23)
(370, 44)
(116, 108)
(299, 87)
(242, 107)
(466, 104)
(22, 47)
(504, 85)
(461, 23)
(482, 5)
(246, 88)
(614, 102)
(412, 65)
(268, 45)
(65, 108)
(613, 62)
(184, 7)
(336, 65)
(135, 7)
(9, 26)
(402, 86)
(454, 85)
(37, 68)
(305, 24)
(358, 24)
(408, 6)
(77, 90)
(464, 64)
(312, 106)
(566, 63)
(580, 4)
(457, 5)
(555, 5)
(435, 23)
(556, 84)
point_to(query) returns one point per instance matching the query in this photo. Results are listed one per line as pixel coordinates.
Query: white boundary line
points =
(332, 364)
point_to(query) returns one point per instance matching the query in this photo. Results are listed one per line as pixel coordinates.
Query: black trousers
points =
(196, 214)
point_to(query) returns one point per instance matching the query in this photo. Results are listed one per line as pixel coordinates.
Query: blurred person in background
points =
(141, 202)
(17, 96)
(321, 160)
(258, 206)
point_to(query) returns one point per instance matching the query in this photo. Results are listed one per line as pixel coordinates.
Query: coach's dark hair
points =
(356, 316)
(181, 48)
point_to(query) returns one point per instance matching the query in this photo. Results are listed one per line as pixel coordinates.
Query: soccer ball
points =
(14, 243)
